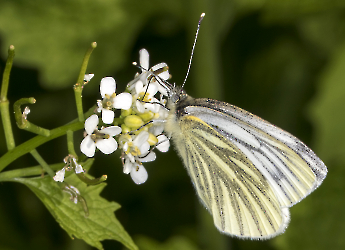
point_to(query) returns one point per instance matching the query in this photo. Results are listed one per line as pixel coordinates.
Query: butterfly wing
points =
(246, 171)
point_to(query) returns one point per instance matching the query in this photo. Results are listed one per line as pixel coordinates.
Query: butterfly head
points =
(176, 94)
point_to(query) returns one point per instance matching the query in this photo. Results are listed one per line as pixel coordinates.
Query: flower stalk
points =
(78, 87)
(70, 142)
(4, 102)
(42, 162)
(89, 181)
(21, 117)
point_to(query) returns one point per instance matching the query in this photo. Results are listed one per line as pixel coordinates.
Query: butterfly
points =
(246, 171)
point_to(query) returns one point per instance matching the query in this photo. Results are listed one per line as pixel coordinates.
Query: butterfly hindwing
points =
(229, 185)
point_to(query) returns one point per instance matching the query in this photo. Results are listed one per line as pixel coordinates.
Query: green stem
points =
(70, 143)
(4, 103)
(25, 172)
(89, 181)
(42, 162)
(33, 143)
(78, 87)
(22, 121)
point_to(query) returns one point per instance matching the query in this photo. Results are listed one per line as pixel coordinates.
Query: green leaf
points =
(101, 224)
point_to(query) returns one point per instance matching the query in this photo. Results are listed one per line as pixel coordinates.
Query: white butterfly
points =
(246, 171)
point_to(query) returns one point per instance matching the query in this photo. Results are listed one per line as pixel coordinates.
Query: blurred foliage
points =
(282, 60)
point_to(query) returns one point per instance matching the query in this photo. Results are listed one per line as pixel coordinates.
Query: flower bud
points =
(133, 121)
(152, 139)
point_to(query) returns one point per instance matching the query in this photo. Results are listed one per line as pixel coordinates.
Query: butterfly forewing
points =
(288, 165)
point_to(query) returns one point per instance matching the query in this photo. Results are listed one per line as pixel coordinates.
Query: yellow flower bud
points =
(133, 121)
(125, 113)
(125, 129)
(152, 139)
(147, 116)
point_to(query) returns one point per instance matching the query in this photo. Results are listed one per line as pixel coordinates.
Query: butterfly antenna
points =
(161, 81)
(191, 56)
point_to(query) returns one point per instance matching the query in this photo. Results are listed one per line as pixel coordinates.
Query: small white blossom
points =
(78, 168)
(137, 171)
(111, 100)
(146, 100)
(102, 139)
(26, 112)
(88, 77)
(60, 175)
(160, 70)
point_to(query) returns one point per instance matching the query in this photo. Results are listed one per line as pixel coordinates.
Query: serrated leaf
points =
(101, 224)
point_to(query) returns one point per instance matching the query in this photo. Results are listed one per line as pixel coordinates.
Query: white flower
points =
(163, 143)
(140, 142)
(146, 100)
(110, 100)
(136, 151)
(102, 139)
(88, 77)
(78, 168)
(137, 171)
(160, 70)
(60, 175)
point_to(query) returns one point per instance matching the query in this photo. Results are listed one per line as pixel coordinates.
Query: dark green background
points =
(281, 60)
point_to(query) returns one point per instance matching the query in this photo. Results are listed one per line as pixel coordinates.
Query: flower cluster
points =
(139, 129)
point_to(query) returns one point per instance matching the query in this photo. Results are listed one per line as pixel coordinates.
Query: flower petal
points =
(154, 107)
(127, 167)
(88, 77)
(107, 146)
(144, 58)
(88, 147)
(165, 74)
(161, 89)
(138, 86)
(139, 174)
(142, 137)
(151, 89)
(78, 169)
(139, 107)
(163, 143)
(60, 175)
(107, 116)
(123, 101)
(108, 86)
(112, 131)
(150, 157)
(157, 128)
(144, 147)
(91, 124)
